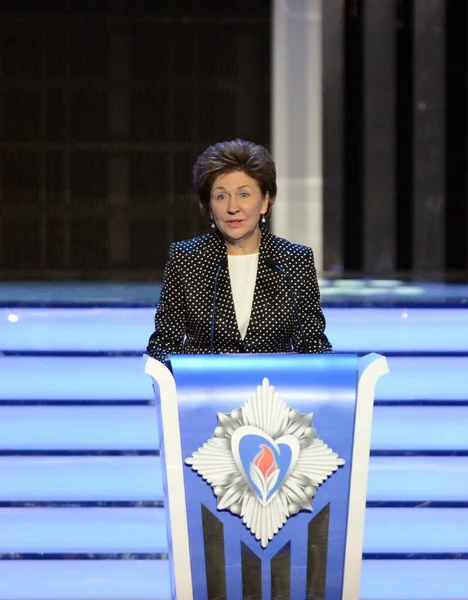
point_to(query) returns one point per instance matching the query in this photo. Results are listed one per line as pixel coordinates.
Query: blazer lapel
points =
(225, 312)
(267, 285)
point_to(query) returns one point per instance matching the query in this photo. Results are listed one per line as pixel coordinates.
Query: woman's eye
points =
(245, 194)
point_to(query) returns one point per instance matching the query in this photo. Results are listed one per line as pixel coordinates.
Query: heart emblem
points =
(264, 462)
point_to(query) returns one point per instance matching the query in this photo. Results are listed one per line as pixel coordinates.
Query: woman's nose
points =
(232, 205)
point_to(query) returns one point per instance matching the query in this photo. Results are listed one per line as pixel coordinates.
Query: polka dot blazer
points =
(184, 314)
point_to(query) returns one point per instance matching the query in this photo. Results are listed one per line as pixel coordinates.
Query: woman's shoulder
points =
(194, 246)
(283, 247)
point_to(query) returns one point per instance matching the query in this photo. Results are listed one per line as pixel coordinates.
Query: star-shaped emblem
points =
(265, 462)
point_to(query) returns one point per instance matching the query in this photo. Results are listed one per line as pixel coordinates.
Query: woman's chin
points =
(236, 233)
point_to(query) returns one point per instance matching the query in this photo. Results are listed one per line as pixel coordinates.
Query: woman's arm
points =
(169, 319)
(310, 310)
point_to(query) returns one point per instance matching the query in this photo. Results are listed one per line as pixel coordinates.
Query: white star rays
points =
(249, 490)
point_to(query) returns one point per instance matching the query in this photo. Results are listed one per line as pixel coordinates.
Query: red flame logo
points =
(265, 461)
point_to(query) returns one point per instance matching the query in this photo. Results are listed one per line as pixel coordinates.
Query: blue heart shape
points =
(251, 447)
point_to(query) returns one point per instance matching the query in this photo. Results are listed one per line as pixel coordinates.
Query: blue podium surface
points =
(265, 462)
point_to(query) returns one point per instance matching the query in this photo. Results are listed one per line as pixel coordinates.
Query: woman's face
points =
(237, 205)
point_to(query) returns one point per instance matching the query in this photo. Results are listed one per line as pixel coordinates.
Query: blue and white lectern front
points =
(265, 461)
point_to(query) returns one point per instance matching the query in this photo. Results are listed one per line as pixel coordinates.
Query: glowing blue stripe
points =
(75, 329)
(143, 530)
(128, 329)
(433, 378)
(135, 428)
(410, 530)
(397, 329)
(116, 378)
(84, 580)
(420, 428)
(133, 478)
(149, 580)
(414, 579)
(418, 478)
(83, 530)
(87, 478)
(122, 378)
(78, 428)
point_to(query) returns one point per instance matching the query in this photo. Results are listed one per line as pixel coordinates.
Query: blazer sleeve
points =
(169, 333)
(310, 310)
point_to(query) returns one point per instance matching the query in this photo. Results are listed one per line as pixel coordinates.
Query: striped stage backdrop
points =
(395, 137)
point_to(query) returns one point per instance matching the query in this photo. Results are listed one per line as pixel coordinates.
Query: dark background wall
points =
(395, 76)
(104, 106)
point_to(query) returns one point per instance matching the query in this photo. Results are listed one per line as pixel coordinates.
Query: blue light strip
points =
(83, 530)
(121, 378)
(143, 530)
(149, 580)
(138, 478)
(127, 329)
(135, 428)
(428, 378)
(84, 580)
(420, 428)
(397, 329)
(75, 329)
(417, 478)
(78, 428)
(414, 580)
(84, 478)
(413, 530)
(116, 378)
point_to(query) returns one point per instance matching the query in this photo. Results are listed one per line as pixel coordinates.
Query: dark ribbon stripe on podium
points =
(280, 564)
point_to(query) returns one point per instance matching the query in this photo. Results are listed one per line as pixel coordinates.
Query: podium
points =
(265, 461)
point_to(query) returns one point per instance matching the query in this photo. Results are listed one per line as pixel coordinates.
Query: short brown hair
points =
(227, 157)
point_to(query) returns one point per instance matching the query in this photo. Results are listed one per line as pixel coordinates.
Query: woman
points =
(238, 288)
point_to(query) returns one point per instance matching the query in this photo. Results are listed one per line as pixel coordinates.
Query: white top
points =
(243, 273)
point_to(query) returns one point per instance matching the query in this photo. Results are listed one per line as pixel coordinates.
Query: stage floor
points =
(81, 501)
(355, 292)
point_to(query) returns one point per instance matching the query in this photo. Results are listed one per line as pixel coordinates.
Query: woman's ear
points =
(266, 203)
